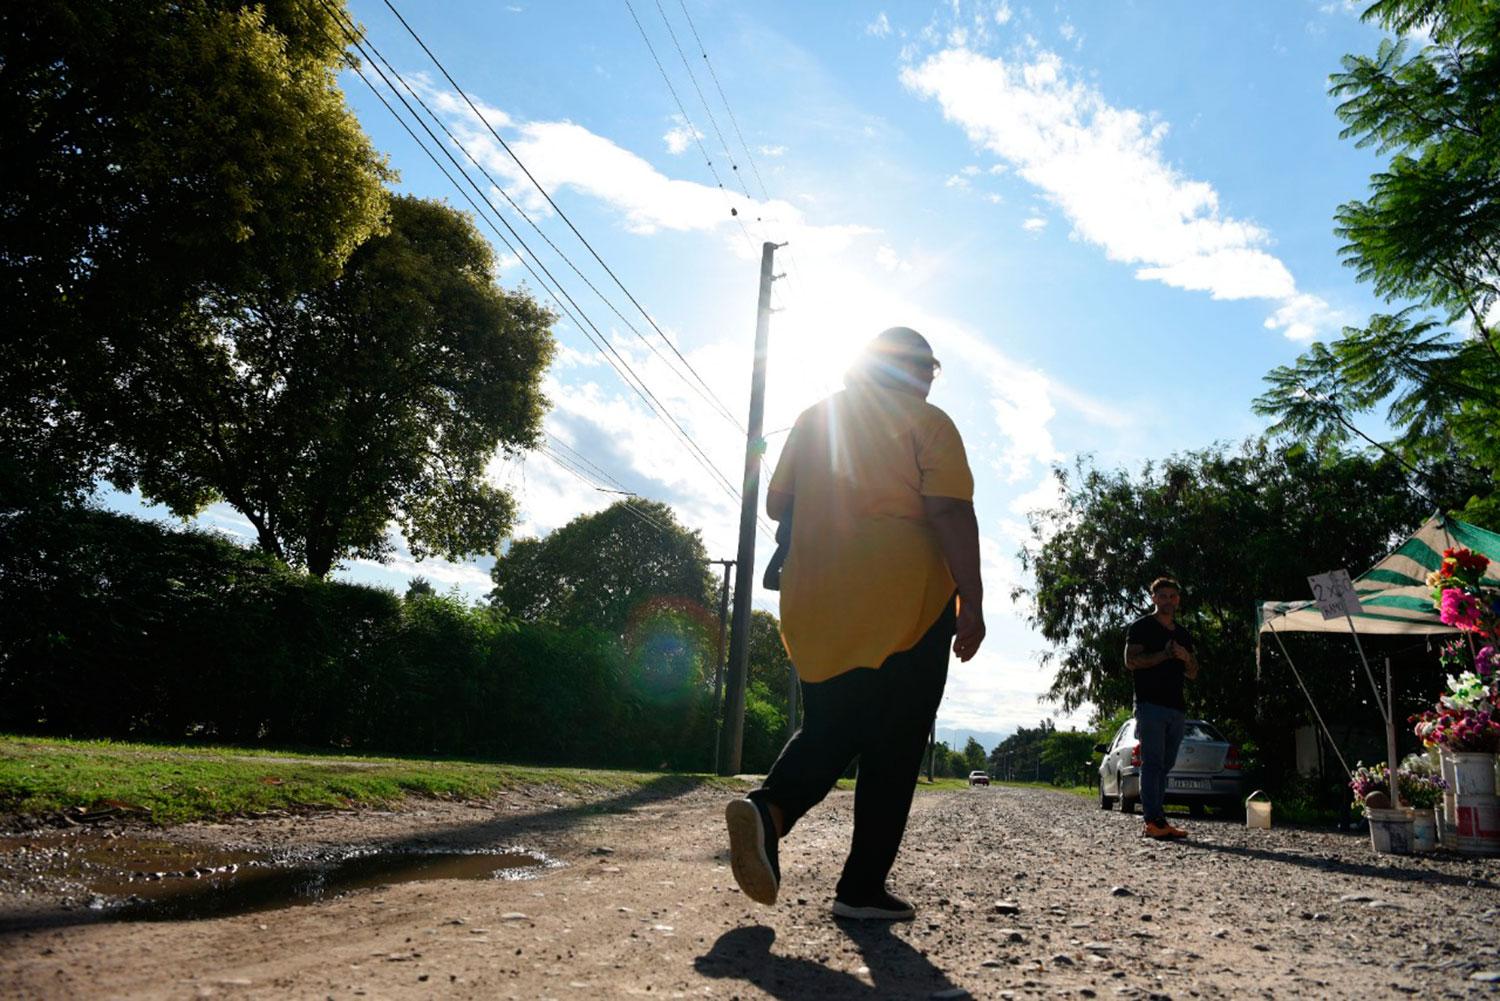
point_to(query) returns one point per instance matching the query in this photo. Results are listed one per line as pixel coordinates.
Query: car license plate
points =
(1187, 783)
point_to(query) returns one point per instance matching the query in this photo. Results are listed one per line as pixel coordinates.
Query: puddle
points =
(153, 880)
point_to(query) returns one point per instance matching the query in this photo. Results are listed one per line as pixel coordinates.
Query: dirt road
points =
(1020, 893)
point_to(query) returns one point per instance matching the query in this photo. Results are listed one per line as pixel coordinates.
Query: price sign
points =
(1334, 593)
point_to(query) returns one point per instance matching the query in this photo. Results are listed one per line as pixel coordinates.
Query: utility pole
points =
(719, 659)
(732, 739)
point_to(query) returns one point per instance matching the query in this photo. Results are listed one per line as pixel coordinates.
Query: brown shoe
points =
(1157, 829)
(1173, 831)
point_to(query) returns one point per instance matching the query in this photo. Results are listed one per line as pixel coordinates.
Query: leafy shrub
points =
(115, 627)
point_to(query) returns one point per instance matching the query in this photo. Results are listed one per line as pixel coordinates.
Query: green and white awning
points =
(1393, 594)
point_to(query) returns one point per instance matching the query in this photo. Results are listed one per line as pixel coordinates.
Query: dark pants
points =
(1159, 729)
(883, 717)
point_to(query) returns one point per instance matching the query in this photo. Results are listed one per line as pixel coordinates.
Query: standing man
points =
(882, 575)
(1159, 655)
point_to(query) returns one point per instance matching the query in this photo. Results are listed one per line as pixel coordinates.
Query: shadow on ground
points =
(1362, 870)
(896, 969)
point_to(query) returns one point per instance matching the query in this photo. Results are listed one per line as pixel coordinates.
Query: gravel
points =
(1020, 893)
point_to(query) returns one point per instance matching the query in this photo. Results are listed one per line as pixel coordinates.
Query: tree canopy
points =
(380, 395)
(1427, 238)
(155, 152)
(603, 570)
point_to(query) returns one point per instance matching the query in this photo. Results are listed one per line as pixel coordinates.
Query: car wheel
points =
(1106, 802)
(1127, 804)
(1197, 809)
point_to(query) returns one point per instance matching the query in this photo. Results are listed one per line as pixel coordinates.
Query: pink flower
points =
(1460, 609)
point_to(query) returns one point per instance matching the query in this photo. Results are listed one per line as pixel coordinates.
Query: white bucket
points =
(1424, 829)
(1478, 825)
(1474, 774)
(1257, 815)
(1390, 830)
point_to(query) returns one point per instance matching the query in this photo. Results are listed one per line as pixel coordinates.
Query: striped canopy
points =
(1394, 593)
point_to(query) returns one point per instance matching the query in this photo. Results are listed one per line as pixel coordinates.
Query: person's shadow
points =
(898, 970)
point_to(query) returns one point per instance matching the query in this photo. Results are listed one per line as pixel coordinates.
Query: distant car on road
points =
(1206, 773)
(979, 778)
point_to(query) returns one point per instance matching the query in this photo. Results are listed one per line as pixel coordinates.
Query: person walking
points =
(882, 574)
(1159, 656)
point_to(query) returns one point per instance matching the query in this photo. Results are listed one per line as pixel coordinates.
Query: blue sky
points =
(1110, 219)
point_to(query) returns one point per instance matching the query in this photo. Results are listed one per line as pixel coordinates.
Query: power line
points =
(734, 121)
(692, 77)
(555, 207)
(688, 122)
(600, 341)
(703, 50)
(704, 392)
(698, 387)
(558, 443)
(628, 503)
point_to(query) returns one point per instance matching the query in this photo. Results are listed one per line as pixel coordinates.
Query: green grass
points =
(963, 783)
(171, 784)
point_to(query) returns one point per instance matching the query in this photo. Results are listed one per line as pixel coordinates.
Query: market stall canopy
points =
(1394, 594)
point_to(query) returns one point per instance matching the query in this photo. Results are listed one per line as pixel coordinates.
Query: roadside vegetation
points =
(172, 784)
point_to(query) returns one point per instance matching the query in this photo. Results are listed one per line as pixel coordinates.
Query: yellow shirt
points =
(865, 577)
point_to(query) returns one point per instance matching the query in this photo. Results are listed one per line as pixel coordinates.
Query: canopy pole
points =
(1308, 695)
(1390, 737)
(1379, 704)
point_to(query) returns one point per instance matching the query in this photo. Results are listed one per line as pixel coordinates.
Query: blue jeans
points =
(1159, 731)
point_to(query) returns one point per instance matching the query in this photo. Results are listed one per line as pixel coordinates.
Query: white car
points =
(979, 778)
(1207, 771)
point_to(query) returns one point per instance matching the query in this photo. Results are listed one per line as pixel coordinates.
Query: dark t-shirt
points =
(1160, 685)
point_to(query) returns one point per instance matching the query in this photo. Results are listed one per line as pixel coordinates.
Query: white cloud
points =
(772, 150)
(957, 181)
(1067, 30)
(1303, 317)
(993, 198)
(880, 27)
(1240, 273)
(1002, 13)
(888, 259)
(563, 155)
(1105, 169)
(681, 136)
(1034, 224)
(971, 170)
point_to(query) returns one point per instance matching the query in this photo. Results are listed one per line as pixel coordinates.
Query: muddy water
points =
(132, 878)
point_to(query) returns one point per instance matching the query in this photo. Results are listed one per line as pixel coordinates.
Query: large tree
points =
(152, 153)
(605, 570)
(1235, 526)
(379, 396)
(1427, 237)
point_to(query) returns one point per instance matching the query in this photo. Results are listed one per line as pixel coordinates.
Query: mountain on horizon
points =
(958, 738)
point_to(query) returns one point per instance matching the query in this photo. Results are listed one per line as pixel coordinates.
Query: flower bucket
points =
(1390, 830)
(1478, 825)
(1424, 830)
(1474, 774)
(1257, 814)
